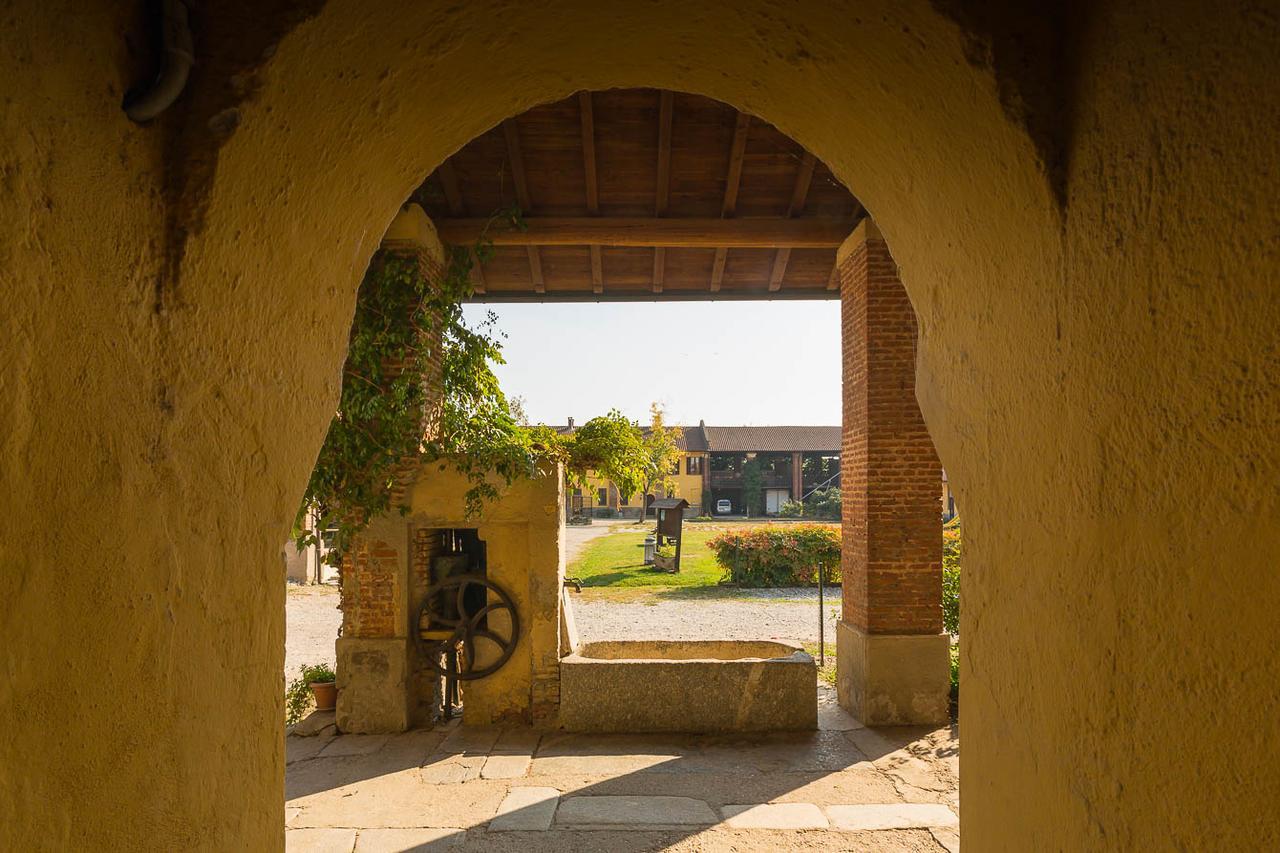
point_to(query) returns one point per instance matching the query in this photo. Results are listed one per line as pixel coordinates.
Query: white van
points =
(724, 506)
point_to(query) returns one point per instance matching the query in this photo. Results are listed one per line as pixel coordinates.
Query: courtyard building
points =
(795, 462)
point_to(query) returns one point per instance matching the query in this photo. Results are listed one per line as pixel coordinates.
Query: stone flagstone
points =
(452, 770)
(948, 838)
(354, 745)
(505, 766)
(517, 742)
(470, 740)
(302, 748)
(775, 816)
(527, 809)
(408, 840)
(892, 816)
(319, 840)
(647, 812)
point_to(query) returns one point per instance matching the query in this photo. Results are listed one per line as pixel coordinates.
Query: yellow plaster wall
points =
(1097, 366)
(141, 506)
(687, 486)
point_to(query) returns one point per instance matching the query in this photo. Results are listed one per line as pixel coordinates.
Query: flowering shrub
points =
(771, 555)
(951, 576)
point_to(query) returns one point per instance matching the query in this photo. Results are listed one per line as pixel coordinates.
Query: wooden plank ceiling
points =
(640, 194)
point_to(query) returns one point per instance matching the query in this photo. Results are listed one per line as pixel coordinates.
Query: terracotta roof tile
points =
(772, 439)
(761, 439)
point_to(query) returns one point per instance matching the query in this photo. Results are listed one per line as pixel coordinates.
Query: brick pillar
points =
(377, 669)
(892, 656)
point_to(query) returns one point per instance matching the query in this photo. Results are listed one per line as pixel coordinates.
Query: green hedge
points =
(773, 555)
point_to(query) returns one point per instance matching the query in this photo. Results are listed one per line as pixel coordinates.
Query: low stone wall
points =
(692, 686)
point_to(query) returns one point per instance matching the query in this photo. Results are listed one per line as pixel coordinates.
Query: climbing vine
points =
(408, 339)
(407, 334)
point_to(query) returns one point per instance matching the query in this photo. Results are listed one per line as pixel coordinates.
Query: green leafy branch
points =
(414, 363)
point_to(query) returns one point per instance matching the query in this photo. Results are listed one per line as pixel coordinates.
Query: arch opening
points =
(681, 197)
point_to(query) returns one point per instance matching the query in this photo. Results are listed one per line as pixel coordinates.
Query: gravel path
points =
(312, 620)
(786, 614)
(312, 617)
(576, 536)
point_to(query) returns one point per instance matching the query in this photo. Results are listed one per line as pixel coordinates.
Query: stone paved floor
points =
(843, 787)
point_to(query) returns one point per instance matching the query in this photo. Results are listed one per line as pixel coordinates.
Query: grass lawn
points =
(617, 560)
(614, 563)
(827, 673)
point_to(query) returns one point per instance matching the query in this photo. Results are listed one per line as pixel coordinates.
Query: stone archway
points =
(1090, 278)
(397, 107)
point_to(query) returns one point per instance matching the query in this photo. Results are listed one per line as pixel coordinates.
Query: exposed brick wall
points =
(892, 529)
(370, 573)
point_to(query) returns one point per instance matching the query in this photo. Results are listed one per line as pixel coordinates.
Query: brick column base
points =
(893, 679)
(373, 685)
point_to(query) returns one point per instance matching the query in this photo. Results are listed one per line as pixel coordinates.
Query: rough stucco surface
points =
(142, 615)
(1097, 365)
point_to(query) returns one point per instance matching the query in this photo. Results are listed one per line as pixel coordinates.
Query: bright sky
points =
(728, 363)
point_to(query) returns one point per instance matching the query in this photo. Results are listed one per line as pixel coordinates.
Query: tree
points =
(823, 503)
(753, 486)
(612, 447)
(516, 405)
(408, 335)
(662, 453)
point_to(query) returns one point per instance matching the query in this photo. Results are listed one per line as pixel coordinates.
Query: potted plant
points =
(316, 685)
(323, 684)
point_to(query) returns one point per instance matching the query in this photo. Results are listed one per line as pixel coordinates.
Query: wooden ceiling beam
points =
(662, 193)
(535, 270)
(697, 233)
(589, 151)
(733, 180)
(717, 269)
(518, 177)
(587, 111)
(452, 194)
(799, 193)
(516, 157)
(737, 154)
(780, 260)
(804, 180)
(597, 270)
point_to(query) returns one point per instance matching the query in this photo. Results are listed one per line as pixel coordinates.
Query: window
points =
(675, 467)
(623, 500)
(602, 496)
(693, 465)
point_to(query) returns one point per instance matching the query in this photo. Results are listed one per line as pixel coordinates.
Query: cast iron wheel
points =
(465, 629)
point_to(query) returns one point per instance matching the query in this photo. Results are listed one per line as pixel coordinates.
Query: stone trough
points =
(688, 686)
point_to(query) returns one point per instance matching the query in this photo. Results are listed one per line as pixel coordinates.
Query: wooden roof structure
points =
(642, 194)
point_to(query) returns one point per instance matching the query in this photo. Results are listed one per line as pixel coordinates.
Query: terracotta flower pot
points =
(325, 693)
